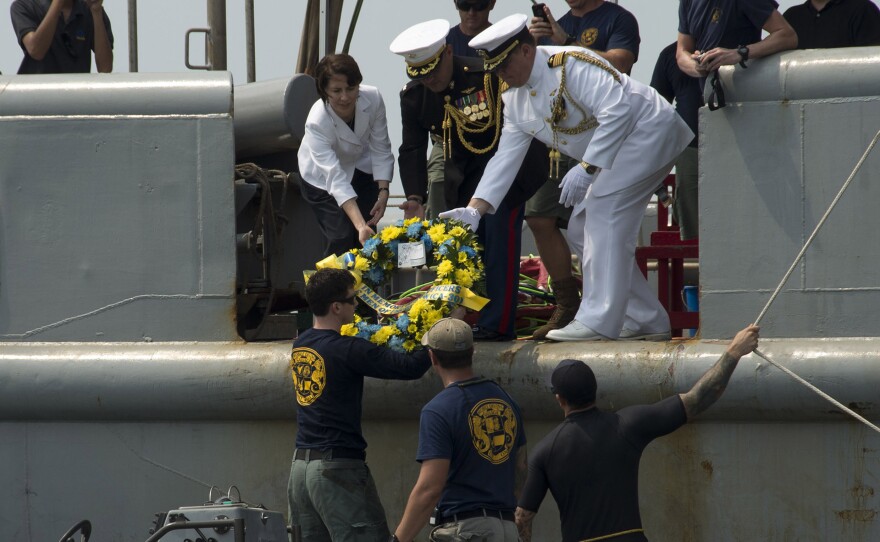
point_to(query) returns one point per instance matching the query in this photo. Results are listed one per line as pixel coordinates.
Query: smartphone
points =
(538, 10)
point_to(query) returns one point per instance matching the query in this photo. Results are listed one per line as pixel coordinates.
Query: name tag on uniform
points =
(410, 254)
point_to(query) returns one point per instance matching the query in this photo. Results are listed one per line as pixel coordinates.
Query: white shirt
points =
(330, 151)
(628, 112)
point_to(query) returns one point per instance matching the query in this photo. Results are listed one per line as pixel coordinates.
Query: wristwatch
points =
(589, 168)
(743, 51)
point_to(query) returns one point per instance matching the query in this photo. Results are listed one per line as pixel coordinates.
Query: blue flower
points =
(403, 322)
(414, 230)
(399, 223)
(429, 245)
(375, 275)
(446, 247)
(396, 343)
(393, 246)
(370, 246)
(469, 251)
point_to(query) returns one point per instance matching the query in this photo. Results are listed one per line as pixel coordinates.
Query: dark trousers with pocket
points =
(340, 235)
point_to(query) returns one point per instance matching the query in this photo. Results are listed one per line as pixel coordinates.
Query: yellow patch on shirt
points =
(309, 375)
(493, 429)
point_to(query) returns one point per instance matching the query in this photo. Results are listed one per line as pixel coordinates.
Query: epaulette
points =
(503, 87)
(409, 86)
(558, 60)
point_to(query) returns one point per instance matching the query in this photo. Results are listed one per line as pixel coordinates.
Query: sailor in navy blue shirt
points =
(474, 16)
(604, 27)
(331, 492)
(472, 450)
(715, 33)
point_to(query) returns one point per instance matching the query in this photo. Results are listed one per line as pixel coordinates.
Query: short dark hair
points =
(454, 360)
(574, 381)
(326, 286)
(339, 64)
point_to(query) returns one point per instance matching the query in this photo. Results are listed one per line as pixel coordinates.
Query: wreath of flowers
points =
(450, 247)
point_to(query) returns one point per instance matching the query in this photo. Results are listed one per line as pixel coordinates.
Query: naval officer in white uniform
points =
(627, 137)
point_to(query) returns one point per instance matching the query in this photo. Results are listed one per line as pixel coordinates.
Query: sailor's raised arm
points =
(712, 384)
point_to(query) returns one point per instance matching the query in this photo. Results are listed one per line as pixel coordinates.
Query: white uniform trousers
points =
(604, 231)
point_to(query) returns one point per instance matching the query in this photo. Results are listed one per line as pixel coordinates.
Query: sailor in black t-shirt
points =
(58, 36)
(822, 24)
(590, 462)
(331, 492)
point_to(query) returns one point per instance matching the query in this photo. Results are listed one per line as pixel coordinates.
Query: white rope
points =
(791, 269)
(816, 229)
(821, 393)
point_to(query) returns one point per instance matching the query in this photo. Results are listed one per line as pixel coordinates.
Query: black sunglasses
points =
(350, 300)
(472, 6)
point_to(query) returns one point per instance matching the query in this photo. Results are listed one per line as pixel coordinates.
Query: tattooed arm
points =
(712, 384)
(524, 519)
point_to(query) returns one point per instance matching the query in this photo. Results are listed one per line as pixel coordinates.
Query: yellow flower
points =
(412, 328)
(457, 231)
(437, 233)
(463, 278)
(361, 263)
(417, 308)
(384, 333)
(348, 330)
(462, 257)
(410, 345)
(410, 221)
(444, 268)
(390, 233)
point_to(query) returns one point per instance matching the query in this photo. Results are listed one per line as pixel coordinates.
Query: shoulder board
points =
(470, 64)
(559, 59)
(409, 86)
(503, 87)
(556, 60)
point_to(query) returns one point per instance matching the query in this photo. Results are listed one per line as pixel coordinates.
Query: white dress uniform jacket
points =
(638, 130)
(330, 151)
(638, 138)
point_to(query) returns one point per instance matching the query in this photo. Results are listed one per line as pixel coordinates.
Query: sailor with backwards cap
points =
(453, 98)
(627, 138)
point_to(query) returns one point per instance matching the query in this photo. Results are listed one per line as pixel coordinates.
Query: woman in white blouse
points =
(345, 157)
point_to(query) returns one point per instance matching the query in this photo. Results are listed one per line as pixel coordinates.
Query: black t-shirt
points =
(841, 23)
(673, 84)
(72, 44)
(328, 373)
(590, 464)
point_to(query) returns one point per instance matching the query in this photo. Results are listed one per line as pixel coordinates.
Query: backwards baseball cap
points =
(574, 381)
(497, 41)
(421, 46)
(449, 335)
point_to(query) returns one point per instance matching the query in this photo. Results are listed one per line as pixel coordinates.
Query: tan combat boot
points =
(568, 300)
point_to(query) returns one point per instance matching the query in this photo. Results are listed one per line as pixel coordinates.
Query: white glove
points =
(468, 215)
(574, 186)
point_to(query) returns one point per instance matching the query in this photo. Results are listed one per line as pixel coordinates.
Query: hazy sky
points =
(163, 23)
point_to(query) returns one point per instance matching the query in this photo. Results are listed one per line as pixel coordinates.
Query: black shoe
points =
(488, 335)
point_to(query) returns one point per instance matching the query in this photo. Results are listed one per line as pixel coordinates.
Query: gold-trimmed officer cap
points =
(497, 41)
(422, 46)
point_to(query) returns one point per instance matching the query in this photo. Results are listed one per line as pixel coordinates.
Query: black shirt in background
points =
(72, 44)
(673, 84)
(842, 23)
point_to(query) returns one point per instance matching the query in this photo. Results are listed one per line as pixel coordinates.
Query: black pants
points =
(340, 235)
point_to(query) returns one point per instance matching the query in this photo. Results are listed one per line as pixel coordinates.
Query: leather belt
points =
(312, 454)
(503, 515)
